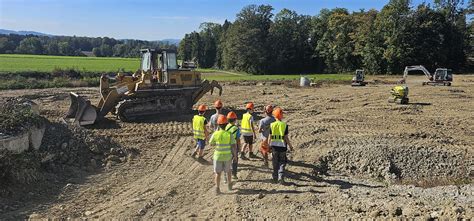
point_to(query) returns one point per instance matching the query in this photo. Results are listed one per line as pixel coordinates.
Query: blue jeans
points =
(279, 161)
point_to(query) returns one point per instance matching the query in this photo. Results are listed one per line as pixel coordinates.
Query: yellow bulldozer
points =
(159, 86)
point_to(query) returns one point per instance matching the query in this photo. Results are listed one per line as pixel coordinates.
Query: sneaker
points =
(229, 187)
(218, 191)
(194, 154)
(252, 155)
(242, 155)
(275, 181)
(235, 177)
(265, 164)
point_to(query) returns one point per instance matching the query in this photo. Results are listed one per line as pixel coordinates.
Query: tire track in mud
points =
(174, 175)
(143, 132)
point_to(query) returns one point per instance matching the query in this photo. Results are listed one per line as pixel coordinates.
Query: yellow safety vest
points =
(223, 148)
(232, 129)
(198, 127)
(246, 125)
(278, 132)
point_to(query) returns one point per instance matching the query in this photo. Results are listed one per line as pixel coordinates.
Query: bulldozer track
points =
(166, 104)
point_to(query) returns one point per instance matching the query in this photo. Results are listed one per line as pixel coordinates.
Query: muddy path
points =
(165, 182)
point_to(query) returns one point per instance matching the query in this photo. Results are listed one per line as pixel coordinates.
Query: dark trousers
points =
(235, 162)
(279, 161)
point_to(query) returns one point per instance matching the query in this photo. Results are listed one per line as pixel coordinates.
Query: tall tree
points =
(247, 45)
(290, 43)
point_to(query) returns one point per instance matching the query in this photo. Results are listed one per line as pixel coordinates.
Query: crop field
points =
(46, 63)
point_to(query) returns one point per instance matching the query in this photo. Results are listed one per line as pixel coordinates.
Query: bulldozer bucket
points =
(81, 112)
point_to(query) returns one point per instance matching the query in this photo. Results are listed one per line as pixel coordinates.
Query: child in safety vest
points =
(213, 120)
(264, 130)
(280, 143)
(224, 150)
(200, 131)
(248, 131)
(235, 131)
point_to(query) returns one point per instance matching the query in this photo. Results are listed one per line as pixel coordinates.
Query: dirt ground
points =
(165, 182)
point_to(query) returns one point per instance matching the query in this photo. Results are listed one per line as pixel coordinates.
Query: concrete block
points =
(16, 144)
(19, 143)
(36, 136)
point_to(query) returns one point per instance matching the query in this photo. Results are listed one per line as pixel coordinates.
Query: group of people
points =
(226, 140)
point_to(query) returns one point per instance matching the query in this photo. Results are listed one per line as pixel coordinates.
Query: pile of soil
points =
(17, 115)
(64, 148)
(402, 163)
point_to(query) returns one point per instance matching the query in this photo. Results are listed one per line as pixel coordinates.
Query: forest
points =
(75, 46)
(336, 40)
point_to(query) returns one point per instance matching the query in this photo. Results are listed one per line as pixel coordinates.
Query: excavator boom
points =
(415, 68)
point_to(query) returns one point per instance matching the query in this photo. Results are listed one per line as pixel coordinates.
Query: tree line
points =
(75, 46)
(335, 40)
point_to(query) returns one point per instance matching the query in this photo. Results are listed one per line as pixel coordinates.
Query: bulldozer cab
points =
(162, 67)
(159, 63)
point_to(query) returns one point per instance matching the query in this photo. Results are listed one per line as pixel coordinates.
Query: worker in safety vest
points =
(213, 120)
(200, 131)
(235, 131)
(224, 144)
(264, 130)
(248, 131)
(280, 143)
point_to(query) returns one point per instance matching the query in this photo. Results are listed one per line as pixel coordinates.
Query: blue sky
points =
(144, 19)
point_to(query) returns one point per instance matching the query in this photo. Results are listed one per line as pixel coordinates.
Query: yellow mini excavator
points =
(399, 95)
(159, 86)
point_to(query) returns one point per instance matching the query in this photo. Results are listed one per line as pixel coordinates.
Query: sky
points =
(145, 19)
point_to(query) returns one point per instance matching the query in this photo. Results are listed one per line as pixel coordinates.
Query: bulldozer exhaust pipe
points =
(81, 112)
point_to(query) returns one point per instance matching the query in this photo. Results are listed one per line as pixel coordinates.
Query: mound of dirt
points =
(64, 148)
(17, 115)
(401, 163)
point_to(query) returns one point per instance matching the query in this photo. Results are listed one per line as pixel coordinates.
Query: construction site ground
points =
(163, 181)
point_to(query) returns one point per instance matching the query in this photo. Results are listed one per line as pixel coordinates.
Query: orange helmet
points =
(269, 109)
(218, 104)
(249, 106)
(221, 119)
(231, 115)
(202, 108)
(278, 113)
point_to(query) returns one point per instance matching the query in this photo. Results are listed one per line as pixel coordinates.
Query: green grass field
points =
(17, 63)
(218, 75)
(32, 71)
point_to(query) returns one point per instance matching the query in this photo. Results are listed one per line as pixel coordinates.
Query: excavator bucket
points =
(81, 112)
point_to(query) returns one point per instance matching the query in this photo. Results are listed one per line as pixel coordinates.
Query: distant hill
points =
(171, 41)
(6, 32)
